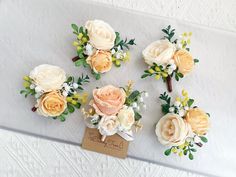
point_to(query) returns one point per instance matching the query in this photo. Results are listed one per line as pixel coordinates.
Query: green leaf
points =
(176, 77)
(75, 27)
(137, 116)
(203, 138)
(190, 156)
(69, 79)
(70, 108)
(79, 62)
(165, 108)
(78, 105)
(208, 114)
(193, 150)
(167, 152)
(185, 152)
(22, 91)
(96, 75)
(81, 29)
(145, 75)
(190, 102)
(196, 60)
(62, 118)
(132, 97)
(180, 75)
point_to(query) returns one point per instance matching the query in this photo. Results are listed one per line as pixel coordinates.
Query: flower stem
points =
(103, 137)
(169, 83)
(75, 58)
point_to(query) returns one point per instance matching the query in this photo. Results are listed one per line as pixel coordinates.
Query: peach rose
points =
(108, 100)
(172, 130)
(198, 120)
(108, 125)
(184, 61)
(100, 61)
(51, 104)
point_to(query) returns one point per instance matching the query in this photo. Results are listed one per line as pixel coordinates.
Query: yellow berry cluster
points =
(74, 99)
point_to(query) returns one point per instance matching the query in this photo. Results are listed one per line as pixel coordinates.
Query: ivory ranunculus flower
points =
(108, 100)
(126, 117)
(48, 77)
(100, 61)
(184, 61)
(198, 120)
(101, 34)
(108, 125)
(172, 130)
(159, 52)
(51, 104)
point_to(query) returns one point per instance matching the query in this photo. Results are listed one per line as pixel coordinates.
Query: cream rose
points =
(48, 77)
(108, 125)
(101, 34)
(198, 120)
(51, 104)
(159, 52)
(100, 61)
(108, 100)
(172, 130)
(126, 117)
(184, 61)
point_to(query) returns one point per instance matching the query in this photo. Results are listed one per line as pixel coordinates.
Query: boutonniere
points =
(116, 110)
(169, 57)
(56, 95)
(183, 127)
(98, 46)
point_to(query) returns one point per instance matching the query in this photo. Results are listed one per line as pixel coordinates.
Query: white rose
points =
(48, 77)
(126, 117)
(101, 34)
(172, 130)
(108, 125)
(159, 52)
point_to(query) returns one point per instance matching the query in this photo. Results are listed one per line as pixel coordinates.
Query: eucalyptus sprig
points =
(122, 43)
(169, 34)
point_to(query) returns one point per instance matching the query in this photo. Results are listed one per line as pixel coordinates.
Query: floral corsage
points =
(116, 110)
(183, 127)
(56, 95)
(98, 46)
(169, 57)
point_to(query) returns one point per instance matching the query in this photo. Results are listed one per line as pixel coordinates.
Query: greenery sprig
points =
(27, 85)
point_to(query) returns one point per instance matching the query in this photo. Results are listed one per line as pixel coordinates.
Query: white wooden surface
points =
(26, 156)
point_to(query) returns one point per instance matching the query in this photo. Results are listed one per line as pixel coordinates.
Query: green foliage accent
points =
(204, 139)
(70, 108)
(190, 156)
(166, 98)
(122, 43)
(133, 97)
(178, 75)
(75, 28)
(137, 116)
(196, 60)
(27, 91)
(156, 70)
(96, 75)
(82, 79)
(167, 152)
(169, 33)
(190, 102)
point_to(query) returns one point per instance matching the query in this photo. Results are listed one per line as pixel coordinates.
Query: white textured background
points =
(26, 156)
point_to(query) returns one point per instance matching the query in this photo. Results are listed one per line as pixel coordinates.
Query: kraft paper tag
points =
(113, 145)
